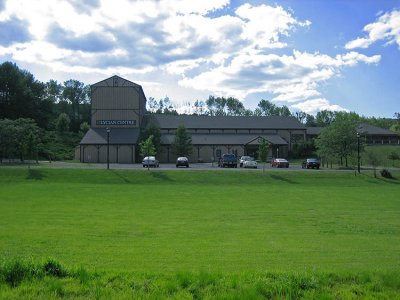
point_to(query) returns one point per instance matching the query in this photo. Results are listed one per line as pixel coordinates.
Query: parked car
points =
(182, 162)
(228, 160)
(243, 159)
(150, 161)
(311, 163)
(250, 163)
(280, 163)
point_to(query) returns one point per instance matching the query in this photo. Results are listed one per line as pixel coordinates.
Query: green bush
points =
(386, 173)
(14, 272)
(53, 268)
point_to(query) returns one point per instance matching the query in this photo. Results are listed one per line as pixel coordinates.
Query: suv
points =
(310, 163)
(228, 160)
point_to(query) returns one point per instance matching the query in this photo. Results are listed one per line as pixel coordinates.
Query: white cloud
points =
(386, 28)
(292, 78)
(315, 105)
(169, 42)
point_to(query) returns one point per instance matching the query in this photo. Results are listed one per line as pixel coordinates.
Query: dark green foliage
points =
(76, 93)
(22, 96)
(13, 272)
(152, 130)
(19, 139)
(147, 147)
(393, 156)
(386, 173)
(52, 267)
(267, 108)
(62, 123)
(182, 144)
(303, 149)
(339, 139)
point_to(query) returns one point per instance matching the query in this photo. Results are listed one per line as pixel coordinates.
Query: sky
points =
(309, 55)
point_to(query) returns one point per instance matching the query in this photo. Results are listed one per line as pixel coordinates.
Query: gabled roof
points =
(375, 130)
(111, 81)
(226, 139)
(118, 81)
(224, 122)
(118, 136)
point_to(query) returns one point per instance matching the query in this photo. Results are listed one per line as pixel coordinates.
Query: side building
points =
(213, 136)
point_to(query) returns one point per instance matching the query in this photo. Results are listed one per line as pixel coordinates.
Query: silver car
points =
(243, 159)
(150, 161)
(250, 163)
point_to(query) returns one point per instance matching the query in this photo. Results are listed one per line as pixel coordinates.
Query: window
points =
(218, 153)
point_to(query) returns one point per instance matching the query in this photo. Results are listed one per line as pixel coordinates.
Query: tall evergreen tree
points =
(182, 144)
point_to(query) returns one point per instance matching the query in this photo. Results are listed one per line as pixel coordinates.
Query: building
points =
(120, 106)
(370, 134)
(212, 136)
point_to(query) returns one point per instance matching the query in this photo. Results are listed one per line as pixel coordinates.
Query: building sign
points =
(116, 122)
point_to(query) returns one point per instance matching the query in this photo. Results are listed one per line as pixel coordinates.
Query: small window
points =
(115, 81)
(218, 153)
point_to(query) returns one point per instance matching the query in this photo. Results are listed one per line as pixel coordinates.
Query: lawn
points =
(231, 223)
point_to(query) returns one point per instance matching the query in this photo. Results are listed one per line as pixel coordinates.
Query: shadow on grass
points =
(122, 177)
(35, 174)
(280, 178)
(162, 176)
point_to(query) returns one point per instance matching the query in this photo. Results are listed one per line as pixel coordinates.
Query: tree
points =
(63, 123)
(19, 138)
(76, 93)
(147, 148)
(152, 130)
(267, 108)
(199, 108)
(324, 118)
(83, 128)
(310, 121)
(263, 148)
(393, 156)
(182, 144)
(300, 116)
(22, 96)
(373, 159)
(234, 107)
(339, 139)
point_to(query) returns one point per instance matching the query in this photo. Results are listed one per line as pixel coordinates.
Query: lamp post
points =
(358, 151)
(108, 147)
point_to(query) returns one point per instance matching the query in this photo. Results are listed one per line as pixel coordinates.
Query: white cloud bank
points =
(228, 54)
(386, 28)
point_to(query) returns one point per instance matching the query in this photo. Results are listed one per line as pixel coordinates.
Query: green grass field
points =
(221, 231)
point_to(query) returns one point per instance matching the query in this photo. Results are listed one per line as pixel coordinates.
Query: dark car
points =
(311, 163)
(228, 160)
(182, 162)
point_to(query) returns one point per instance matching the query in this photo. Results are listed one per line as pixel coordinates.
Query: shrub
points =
(386, 173)
(53, 268)
(14, 272)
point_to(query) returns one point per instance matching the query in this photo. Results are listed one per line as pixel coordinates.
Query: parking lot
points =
(163, 166)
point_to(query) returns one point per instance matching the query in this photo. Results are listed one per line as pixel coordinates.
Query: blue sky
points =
(307, 54)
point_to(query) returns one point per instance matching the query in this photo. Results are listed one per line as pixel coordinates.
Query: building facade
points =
(120, 106)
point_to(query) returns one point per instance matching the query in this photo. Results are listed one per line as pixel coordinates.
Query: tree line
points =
(54, 114)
